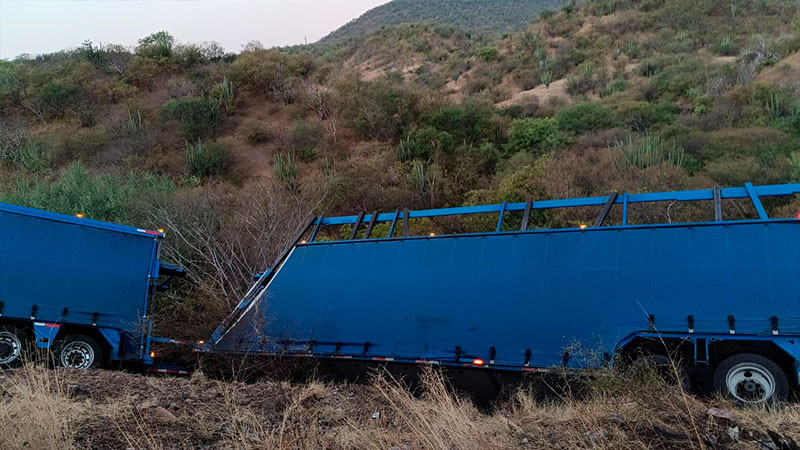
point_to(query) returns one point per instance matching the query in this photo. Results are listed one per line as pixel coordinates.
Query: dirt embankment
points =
(115, 410)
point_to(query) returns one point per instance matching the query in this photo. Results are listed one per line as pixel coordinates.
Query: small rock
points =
(525, 440)
(376, 415)
(722, 416)
(78, 391)
(733, 433)
(162, 415)
(253, 436)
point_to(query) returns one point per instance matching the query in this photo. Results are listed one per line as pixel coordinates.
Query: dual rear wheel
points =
(75, 351)
(751, 379)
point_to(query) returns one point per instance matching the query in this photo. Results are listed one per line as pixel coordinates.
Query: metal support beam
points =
(500, 219)
(751, 191)
(405, 222)
(371, 224)
(357, 224)
(606, 209)
(625, 208)
(527, 216)
(316, 230)
(717, 203)
(394, 224)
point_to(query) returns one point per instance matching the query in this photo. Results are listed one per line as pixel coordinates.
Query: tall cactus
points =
(226, 93)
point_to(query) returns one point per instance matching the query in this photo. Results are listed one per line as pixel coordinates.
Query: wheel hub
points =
(77, 355)
(9, 348)
(750, 383)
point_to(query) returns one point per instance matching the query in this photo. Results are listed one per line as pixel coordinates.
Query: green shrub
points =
(205, 160)
(487, 53)
(304, 137)
(724, 46)
(761, 142)
(9, 83)
(796, 120)
(584, 117)
(651, 67)
(641, 116)
(735, 171)
(632, 49)
(380, 110)
(468, 123)
(33, 155)
(614, 87)
(111, 197)
(424, 143)
(53, 98)
(271, 71)
(536, 136)
(647, 151)
(198, 116)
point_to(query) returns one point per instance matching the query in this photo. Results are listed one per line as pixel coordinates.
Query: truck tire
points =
(77, 351)
(14, 343)
(751, 379)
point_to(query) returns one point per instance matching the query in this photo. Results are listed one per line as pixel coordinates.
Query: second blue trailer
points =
(722, 295)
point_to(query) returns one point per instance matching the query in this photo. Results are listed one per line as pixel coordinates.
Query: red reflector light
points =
(478, 362)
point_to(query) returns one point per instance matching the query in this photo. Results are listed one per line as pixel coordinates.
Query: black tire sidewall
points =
(25, 345)
(59, 346)
(781, 382)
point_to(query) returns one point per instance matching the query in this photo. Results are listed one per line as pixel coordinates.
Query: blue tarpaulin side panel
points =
(421, 298)
(51, 264)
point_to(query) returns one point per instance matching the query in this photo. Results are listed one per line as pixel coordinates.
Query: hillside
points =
(225, 150)
(479, 16)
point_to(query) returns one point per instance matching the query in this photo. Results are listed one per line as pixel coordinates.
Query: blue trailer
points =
(721, 295)
(77, 287)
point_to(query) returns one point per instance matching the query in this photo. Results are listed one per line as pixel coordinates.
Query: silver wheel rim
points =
(10, 347)
(750, 383)
(77, 355)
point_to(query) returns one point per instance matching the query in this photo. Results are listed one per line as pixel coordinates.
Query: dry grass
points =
(35, 411)
(44, 409)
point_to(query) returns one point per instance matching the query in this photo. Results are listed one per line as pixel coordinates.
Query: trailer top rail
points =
(716, 194)
(78, 219)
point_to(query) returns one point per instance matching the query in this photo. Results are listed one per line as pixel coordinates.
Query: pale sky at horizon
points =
(43, 26)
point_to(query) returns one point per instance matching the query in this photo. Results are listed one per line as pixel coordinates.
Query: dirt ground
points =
(60, 409)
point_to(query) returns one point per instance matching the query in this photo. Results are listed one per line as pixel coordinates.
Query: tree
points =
(157, 46)
(119, 59)
(327, 103)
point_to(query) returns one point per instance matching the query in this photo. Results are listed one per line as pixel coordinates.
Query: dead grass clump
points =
(436, 419)
(35, 411)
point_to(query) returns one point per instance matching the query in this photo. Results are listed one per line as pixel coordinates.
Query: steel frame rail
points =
(716, 194)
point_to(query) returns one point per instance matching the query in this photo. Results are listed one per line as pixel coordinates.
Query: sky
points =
(42, 26)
